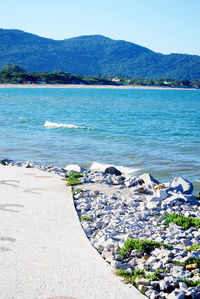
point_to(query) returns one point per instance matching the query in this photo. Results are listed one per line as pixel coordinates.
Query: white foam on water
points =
(102, 167)
(52, 125)
(23, 119)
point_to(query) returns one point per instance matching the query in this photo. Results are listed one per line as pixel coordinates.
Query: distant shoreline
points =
(91, 86)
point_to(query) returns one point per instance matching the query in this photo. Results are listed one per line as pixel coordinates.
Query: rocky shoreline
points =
(148, 231)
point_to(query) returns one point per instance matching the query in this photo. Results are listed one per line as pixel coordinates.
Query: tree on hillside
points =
(12, 68)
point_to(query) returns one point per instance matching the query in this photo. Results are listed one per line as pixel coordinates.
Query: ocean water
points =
(156, 131)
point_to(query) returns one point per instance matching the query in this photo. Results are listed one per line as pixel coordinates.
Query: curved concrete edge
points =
(44, 250)
(100, 268)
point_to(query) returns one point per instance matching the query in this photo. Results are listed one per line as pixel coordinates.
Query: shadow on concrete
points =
(5, 207)
(7, 239)
(6, 182)
(34, 190)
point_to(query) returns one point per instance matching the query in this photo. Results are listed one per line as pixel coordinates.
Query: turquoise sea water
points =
(156, 131)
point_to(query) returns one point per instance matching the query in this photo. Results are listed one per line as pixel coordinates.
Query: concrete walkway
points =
(44, 252)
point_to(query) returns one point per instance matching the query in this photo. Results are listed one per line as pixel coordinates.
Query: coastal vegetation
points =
(141, 245)
(86, 218)
(91, 55)
(191, 283)
(185, 222)
(189, 261)
(14, 74)
(76, 191)
(132, 276)
(137, 274)
(73, 179)
(194, 247)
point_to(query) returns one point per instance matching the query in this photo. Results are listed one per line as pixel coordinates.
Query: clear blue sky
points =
(166, 26)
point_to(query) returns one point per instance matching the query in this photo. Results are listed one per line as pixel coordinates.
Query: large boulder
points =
(113, 170)
(182, 185)
(148, 179)
(74, 168)
(6, 161)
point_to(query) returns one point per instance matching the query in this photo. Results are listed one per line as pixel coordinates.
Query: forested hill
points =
(91, 55)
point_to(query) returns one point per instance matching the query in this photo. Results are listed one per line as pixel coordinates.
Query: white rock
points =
(183, 185)
(142, 288)
(162, 194)
(74, 167)
(144, 236)
(177, 294)
(133, 262)
(148, 179)
(116, 264)
(157, 266)
(151, 260)
(131, 182)
(187, 242)
(153, 199)
(142, 281)
(108, 208)
(153, 205)
(164, 284)
(154, 295)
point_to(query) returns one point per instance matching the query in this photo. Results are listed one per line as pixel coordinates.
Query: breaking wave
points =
(52, 125)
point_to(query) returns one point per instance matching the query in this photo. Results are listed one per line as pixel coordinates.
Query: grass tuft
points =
(86, 218)
(194, 247)
(141, 245)
(77, 190)
(131, 277)
(185, 222)
(188, 262)
(73, 179)
(76, 175)
(191, 283)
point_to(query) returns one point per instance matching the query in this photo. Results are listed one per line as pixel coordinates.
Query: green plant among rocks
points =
(73, 179)
(141, 245)
(86, 218)
(192, 283)
(192, 261)
(76, 191)
(185, 222)
(188, 262)
(194, 247)
(76, 175)
(193, 273)
(131, 277)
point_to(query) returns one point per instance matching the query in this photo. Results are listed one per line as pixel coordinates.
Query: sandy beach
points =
(89, 86)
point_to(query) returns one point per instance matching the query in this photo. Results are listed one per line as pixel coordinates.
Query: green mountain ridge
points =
(91, 55)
